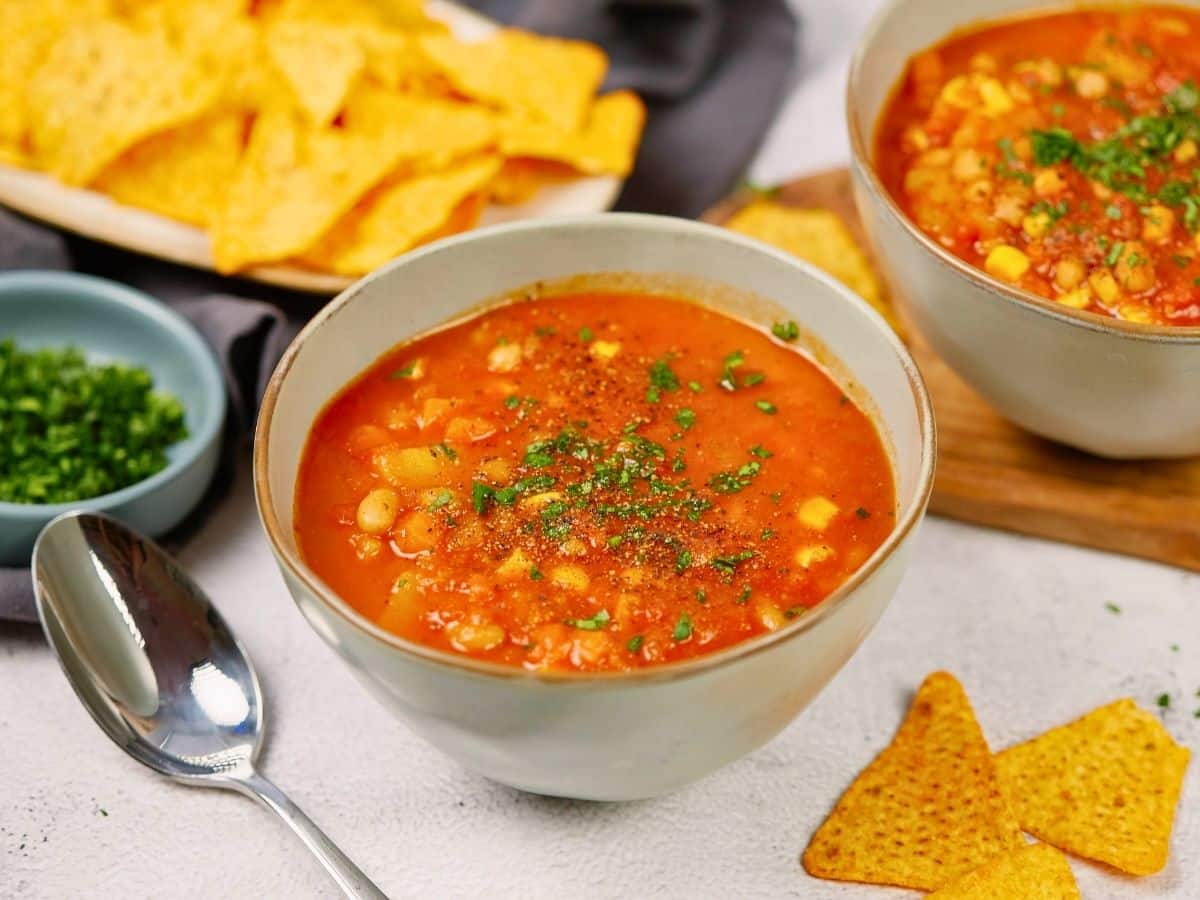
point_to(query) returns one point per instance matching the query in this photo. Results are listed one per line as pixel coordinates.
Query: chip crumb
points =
(927, 810)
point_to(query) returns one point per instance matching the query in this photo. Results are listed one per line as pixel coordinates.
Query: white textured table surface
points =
(1022, 622)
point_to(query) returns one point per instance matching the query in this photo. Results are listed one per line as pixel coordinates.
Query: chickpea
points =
(968, 165)
(1068, 274)
(1090, 84)
(1158, 224)
(377, 511)
(1048, 182)
(1135, 270)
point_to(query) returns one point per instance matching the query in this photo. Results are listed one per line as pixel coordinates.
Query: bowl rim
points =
(861, 158)
(295, 567)
(200, 358)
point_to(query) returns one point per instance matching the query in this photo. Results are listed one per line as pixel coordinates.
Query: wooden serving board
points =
(992, 473)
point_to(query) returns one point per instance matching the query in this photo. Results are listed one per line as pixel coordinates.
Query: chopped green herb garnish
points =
(405, 371)
(744, 595)
(71, 430)
(595, 623)
(733, 361)
(544, 331)
(685, 418)
(767, 534)
(683, 560)
(792, 611)
(512, 402)
(662, 378)
(535, 574)
(766, 406)
(482, 496)
(863, 513)
(728, 563)
(754, 378)
(1113, 608)
(635, 643)
(694, 387)
(1112, 211)
(786, 331)
(1114, 253)
(446, 450)
(585, 334)
(442, 498)
(701, 596)
(683, 628)
(759, 451)
(1164, 701)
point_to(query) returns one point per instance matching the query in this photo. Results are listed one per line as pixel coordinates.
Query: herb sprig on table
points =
(72, 430)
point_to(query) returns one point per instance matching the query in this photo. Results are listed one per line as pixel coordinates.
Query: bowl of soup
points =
(595, 505)
(1027, 173)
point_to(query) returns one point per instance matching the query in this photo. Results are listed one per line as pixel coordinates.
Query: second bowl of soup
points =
(528, 505)
(1030, 181)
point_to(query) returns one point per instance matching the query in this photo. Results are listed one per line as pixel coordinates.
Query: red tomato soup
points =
(1059, 153)
(592, 481)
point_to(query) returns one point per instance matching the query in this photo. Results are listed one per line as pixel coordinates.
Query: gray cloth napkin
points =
(713, 74)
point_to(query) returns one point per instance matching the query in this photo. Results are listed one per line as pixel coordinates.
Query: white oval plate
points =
(99, 217)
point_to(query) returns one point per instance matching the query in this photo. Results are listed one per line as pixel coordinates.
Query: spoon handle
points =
(349, 877)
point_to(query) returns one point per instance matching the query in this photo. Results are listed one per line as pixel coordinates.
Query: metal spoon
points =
(159, 670)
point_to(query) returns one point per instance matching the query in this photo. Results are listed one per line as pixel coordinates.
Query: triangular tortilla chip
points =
(320, 62)
(927, 810)
(398, 215)
(433, 130)
(548, 78)
(102, 88)
(1036, 872)
(606, 144)
(182, 173)
(1103, 787)
(820, 237)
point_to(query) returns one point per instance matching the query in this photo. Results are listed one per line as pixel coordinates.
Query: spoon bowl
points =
(157, 667)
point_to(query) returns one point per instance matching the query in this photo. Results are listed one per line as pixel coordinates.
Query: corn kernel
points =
(570, 577)
(769, 615)
(807, 557)
(1132, 312)
(982, 62)
(1158, 224)
(996, 100)
(816, 513)
(1101, 191)
(916, 139)
(957, 92)
(1036, 224)
(1076, 299)
(1105, 286)
(1185, 152)
(1006, 263)
(1048, 182)
(978, 191)
(604, 350)
(516, 566)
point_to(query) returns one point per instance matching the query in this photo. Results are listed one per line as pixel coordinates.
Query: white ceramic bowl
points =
(1113, 388)
(609, 736)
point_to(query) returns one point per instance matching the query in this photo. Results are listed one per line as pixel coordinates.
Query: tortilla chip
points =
(404, 14)
(520, 179)
(398, 215)
(30, 29)
(607, 143)
(927, 810)
(1104, 787)
(293, 183)
(102, 88)
(436, 131)
(546, 78)
(320, 62)
(820, 237)
(1036, 872)
(182, 173)
(395, 61)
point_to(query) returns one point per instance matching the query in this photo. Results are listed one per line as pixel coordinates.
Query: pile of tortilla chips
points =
(936, 811)
(334, 135)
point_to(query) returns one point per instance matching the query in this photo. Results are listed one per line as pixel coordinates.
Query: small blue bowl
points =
(111, 322)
